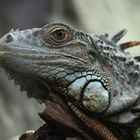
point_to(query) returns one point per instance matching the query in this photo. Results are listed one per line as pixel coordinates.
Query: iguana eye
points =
(59, 35)
(56, 35)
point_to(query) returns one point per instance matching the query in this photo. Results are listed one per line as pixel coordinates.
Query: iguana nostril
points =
(8, 38)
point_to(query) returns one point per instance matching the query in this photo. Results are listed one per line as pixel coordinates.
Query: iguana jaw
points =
(32, 84)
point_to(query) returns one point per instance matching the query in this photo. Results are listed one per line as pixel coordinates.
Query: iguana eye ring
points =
(56, 35)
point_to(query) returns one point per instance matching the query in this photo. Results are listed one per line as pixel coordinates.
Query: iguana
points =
(96, 81)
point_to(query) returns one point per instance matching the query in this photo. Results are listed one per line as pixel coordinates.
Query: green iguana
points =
(96, 81)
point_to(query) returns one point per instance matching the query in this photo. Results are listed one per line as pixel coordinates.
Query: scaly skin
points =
(98, 81)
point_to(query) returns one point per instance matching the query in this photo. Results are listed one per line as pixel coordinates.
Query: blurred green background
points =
(17, 112)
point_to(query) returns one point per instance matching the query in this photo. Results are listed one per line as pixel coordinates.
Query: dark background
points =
(19, 114)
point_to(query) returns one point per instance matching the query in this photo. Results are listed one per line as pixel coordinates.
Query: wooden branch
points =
(61, 123)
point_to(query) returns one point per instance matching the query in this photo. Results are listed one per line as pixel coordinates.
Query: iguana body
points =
(97, 80)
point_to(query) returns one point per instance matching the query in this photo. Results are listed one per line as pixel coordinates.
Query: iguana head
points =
(93, 74)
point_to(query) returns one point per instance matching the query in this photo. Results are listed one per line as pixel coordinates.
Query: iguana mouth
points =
(2, 53)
